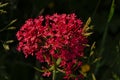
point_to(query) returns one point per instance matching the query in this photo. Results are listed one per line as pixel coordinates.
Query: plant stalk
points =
(54, 74)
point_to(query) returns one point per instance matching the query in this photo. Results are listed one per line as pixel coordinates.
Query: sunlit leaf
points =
(91, 53)
(87, 45)
(2, 11)
(86, 24)
(93, 77)
(93, 46)
(89, 28)
(58, 61)
(6, 46)
(11, 28)
(2, 5)
(88, 34)
(9, 41)
(13, 21)
(97, 59)
(86, 29)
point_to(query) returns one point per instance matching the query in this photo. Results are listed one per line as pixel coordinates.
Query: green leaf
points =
(88, 34)
(86, 24)
(13, 21)
(87, 29)
(6, 27)
(2, 5)
(52, 68)
(93, 46)
(2, 11)
(87, 45)
(97, 59)
(11, 28)
(111, 11)
(38, 69)
(93, 77)
(9, 41)
(91, 53)
(58, 61)
(6, 46)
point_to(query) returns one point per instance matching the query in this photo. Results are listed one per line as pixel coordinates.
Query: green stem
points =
(54, 74)
(105, 34)
(106, 27)
(54, 69)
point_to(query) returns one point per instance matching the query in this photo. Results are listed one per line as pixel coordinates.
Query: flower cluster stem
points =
(54, 75)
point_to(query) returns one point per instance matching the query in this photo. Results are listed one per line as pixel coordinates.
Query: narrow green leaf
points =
(2, 11)
(111, 11)
(93, 46)
(88, 34)
(91, 53)
(88, 21)
(87, 45)
(2, 5)
(97, 59)
(11, 28)
(60, 70)
(9, 41)
(13, 21)
(89, 28)
(93, 77)
(38, 69)
(86, 24)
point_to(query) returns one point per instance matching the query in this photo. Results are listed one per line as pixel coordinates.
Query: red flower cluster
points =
(54, 37)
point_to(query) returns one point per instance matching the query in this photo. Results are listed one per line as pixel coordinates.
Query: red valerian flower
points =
(52, 37)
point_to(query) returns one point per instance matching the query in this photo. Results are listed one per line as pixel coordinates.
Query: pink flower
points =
(54, 36)
(47, 74)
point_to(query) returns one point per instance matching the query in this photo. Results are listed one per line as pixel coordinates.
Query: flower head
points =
(53, 37)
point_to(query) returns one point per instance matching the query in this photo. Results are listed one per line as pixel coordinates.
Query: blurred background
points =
(13, 64)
